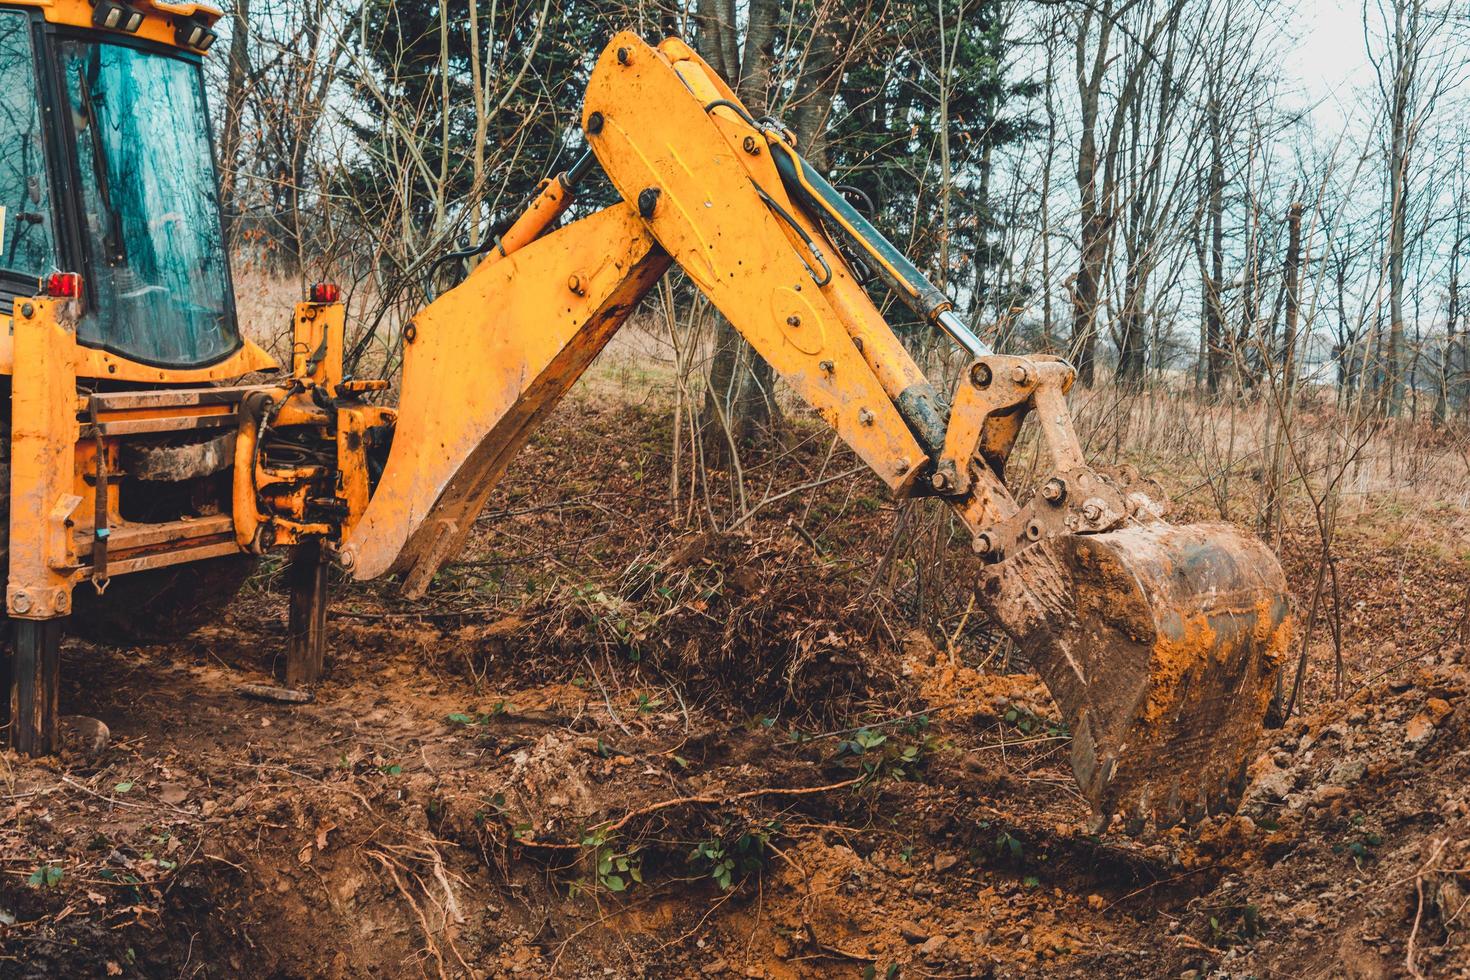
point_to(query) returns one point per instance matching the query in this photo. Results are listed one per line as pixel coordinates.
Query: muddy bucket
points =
(1162, 646)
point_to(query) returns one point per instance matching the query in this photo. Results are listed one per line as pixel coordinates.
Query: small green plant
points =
(46, 876)
(727, 859)
(648, 704)
(1233, 924)
(1359, 846)
(1032, 724)
(1009, 847)
(613, 870)
(494, 807)
(876, 755)
(469, 718)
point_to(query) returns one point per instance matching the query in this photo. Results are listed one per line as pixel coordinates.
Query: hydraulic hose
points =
(927, 300)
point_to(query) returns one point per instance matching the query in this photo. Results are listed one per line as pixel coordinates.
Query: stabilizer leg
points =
(34, 683)
(307, 628)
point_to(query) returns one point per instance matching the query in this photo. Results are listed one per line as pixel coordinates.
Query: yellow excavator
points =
(143, 477)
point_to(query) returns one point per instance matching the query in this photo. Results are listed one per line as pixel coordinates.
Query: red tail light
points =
(64, 285)
(325, 292)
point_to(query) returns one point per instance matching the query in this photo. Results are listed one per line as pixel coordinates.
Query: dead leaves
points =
(312, 848)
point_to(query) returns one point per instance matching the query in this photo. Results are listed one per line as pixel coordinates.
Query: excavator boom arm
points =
(1160, 644)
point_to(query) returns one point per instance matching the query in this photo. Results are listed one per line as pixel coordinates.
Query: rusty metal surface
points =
(205, 548)
(1161, 645)
(128, 537)
(103, 402)
(178, 459)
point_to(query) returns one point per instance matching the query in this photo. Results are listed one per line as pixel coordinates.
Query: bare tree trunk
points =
(1392, 392)
(229, 143)
(1215, 311)
(1097, 173)
(1449, 362)
(740, 401)
(1048, 326)
(1087, 286)
(1293, 299)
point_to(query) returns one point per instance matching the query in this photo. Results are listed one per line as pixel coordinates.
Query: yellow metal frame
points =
(94, 363)
(54, 471)
(482, 365)
(159, 16)
(316, 344)
(269, 504)
(90, 362)
(654, 134)
(43, 441)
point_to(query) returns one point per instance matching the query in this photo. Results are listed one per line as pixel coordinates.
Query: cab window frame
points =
(67, 165)
(24, 282)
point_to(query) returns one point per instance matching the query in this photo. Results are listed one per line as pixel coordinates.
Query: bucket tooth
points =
(1162, 646)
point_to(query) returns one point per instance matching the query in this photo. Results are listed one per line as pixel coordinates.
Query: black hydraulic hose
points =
(810, 188)
(569, 179)
(492, 236)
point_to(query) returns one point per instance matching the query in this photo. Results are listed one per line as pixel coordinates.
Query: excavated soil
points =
(621, 739)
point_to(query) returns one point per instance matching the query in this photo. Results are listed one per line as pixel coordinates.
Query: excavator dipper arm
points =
(1161, 644)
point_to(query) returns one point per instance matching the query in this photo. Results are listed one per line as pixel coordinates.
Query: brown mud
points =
(613, 742)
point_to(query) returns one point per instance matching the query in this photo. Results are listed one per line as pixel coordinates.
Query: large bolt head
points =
(1053, 490)
(1019, 374)
(647, 202)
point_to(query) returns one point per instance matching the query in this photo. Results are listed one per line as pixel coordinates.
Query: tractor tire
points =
(158, 606)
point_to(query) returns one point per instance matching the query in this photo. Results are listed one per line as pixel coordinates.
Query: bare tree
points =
(1101, 129)
(740, 396)
(1413, 72)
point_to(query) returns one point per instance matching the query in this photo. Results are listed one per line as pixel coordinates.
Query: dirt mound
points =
(606, 747)
(760, 623)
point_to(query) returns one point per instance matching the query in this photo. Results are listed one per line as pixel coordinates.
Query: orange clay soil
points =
(578, 758)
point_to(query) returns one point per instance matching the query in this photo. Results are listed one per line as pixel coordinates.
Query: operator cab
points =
(107, 170)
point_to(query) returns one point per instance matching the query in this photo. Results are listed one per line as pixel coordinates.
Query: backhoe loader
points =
(144, 476)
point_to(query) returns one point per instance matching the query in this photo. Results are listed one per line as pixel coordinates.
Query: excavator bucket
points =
(1162, 646)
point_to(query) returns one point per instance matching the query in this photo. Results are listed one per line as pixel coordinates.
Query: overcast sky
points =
(1328, 58)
